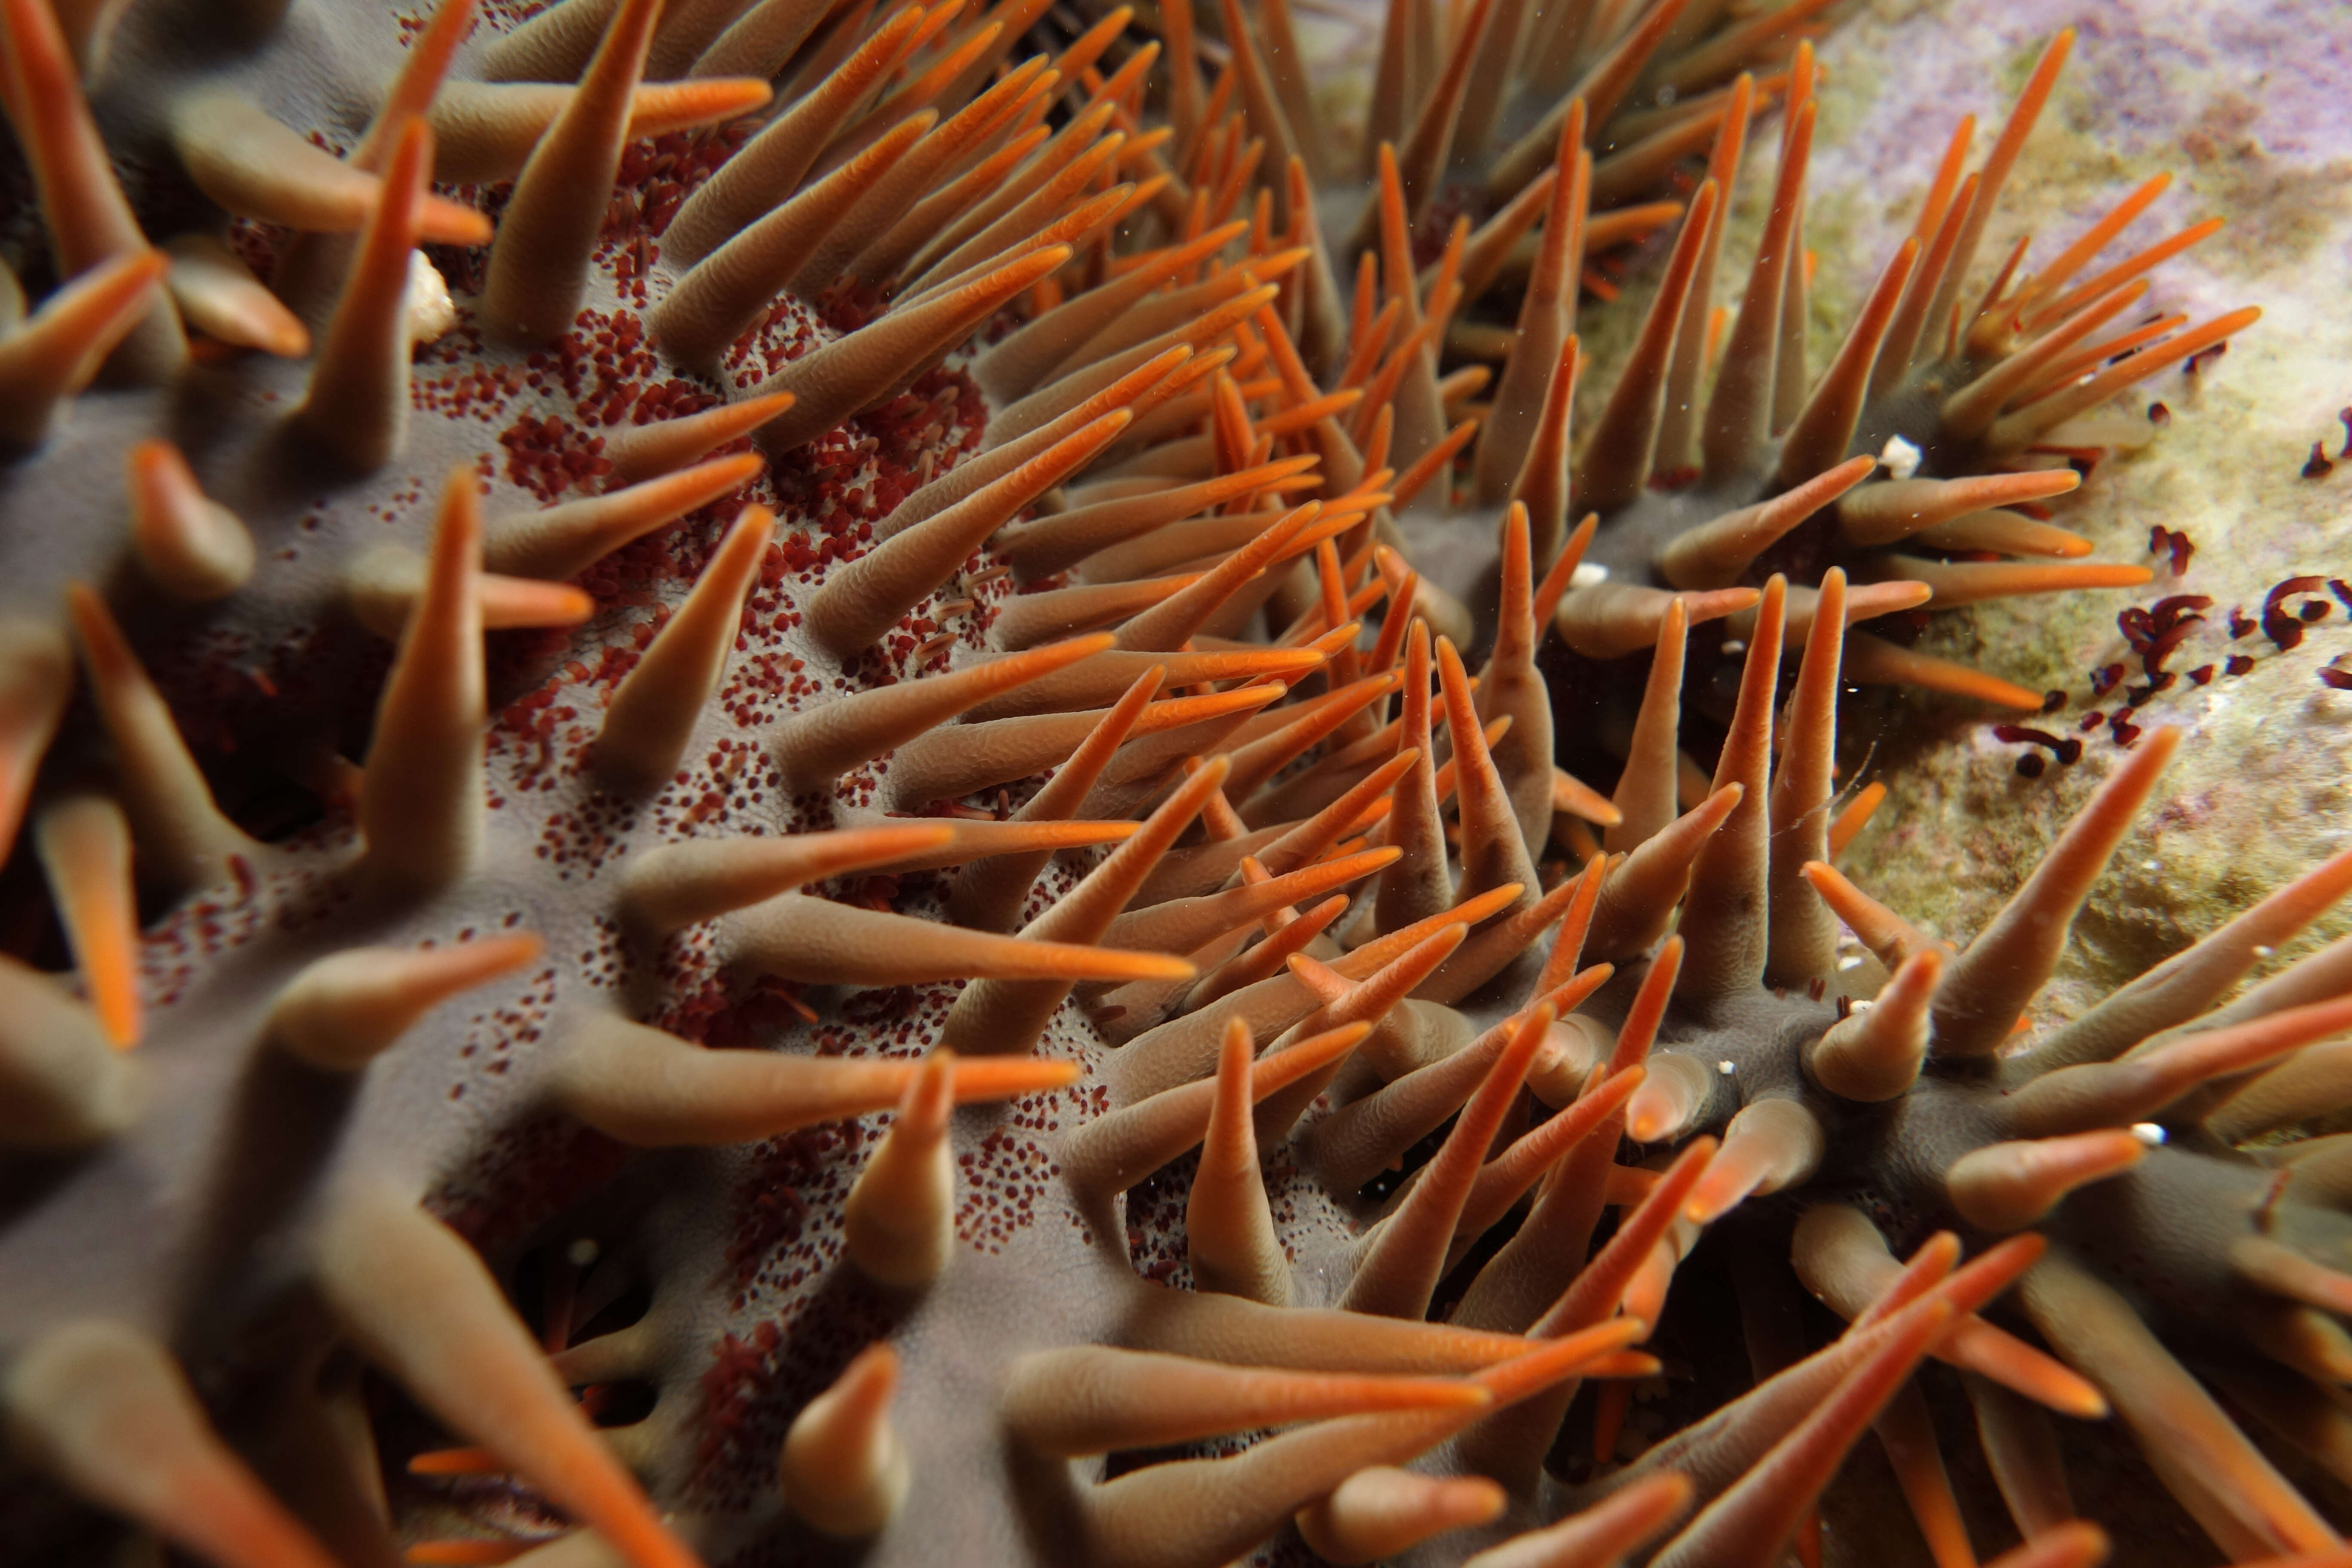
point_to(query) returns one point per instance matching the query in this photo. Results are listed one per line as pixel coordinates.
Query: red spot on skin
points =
(771, 1211)
(735, 1388)
(2318, 465)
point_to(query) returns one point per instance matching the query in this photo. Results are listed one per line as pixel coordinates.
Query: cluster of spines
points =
(420, 818)
(1937, 1014)
(1993, 378)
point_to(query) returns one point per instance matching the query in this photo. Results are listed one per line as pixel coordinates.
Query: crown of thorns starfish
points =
(848, 432)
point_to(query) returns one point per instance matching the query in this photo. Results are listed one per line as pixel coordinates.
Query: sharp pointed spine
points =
(1724, 917)
(644, 451)
(1767, 1504)
(1544, 351)
(652, 715)
(1639, 897)
(1874, 1055)
(988, 894)
(651, 1090)
(873, 362)
(1824, 428)
(84, 212)
(189, 545)
(356, 405)
(421, 808)
(104, 1408)
(1400, 1270)
(796, 937)
(259, 167)
(1610, 620)
(186, 840)
(423, 1306)
(726, 293)
(1603, 1533)
(2165, 1407)
(1617, 455)
(899, 1224)
(1719, 552)
(861, 601)
(562, 540)
(85, 848)
(2007, 1186)
(344, 1010)
(48, 359)
(844, 1470)
(1229, 1230)
(679, 884)
(1985, 989)
(819, 744)
(1094, 1399)
(538, 263)
(64, 1082)
(1802, 933)
(997, 1016)
(1772, 1144)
